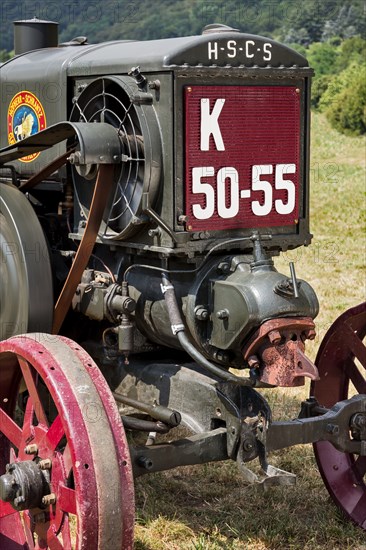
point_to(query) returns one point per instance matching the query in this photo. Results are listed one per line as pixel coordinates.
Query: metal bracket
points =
(98, 143)
(198, 449)
(333, 426)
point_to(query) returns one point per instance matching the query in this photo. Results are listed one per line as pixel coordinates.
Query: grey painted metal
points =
(173, 63)
(98, 144)
(26, 293)
(32, 34)
(196, 449)
(204, 402)
(333, 426)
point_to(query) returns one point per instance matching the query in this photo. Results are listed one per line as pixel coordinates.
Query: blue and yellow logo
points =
(26, 117)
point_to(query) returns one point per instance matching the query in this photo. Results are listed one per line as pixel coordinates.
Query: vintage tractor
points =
(145, 188)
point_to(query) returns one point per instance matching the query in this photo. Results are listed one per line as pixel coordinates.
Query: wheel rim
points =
(341, 361)
(71, 417)
(26, 295)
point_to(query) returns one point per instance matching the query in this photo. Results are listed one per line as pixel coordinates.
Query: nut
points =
(310, 334)
(274, 337)
(253, 362)
(223, 314)
(45, 464)
(201, 313)
(31, 449)
(48, 500)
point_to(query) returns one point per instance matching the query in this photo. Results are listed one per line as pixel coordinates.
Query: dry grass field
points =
(209, 507)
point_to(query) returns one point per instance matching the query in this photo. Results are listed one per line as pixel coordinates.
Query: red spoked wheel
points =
(66, 477)
(341, 362)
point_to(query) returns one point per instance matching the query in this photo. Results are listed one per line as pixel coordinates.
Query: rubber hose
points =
(178, 328)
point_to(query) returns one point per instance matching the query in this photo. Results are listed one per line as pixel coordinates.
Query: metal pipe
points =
(178, 329)
(132, 423)
(158, 412)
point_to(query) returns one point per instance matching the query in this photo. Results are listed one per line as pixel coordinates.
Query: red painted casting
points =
(71, 416)
(343, 474)
(277, 350)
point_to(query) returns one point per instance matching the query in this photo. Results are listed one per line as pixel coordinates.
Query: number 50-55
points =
(228, 193)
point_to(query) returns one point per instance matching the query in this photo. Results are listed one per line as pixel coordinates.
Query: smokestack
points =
(33, 34)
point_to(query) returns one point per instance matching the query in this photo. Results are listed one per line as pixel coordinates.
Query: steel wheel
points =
(341, 361)
(26, 295)
(69, 483)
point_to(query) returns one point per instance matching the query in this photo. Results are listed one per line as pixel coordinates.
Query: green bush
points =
(319, 87)
(339, 83)
(322, 57)
(347, 113)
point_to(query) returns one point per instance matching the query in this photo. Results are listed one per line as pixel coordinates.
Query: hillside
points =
(142, 20)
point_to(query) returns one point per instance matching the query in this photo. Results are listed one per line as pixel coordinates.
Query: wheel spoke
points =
(33, 391)
(28, 420)
(66, 458)
(55, 433)
(10, 429)
(53, 541)
(66, 535)
(67, 499)
(355, 344)
(355, 376)
(5, 511)
(28, 529)
(12, 535)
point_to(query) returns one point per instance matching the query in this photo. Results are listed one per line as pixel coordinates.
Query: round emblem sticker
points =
(26, 117)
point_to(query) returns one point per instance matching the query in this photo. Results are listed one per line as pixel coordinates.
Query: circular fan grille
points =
(109, 100)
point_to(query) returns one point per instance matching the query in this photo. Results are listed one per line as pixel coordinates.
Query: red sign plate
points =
(242, 156)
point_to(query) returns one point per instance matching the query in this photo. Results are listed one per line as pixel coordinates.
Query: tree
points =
(322, 57)
(348, 112)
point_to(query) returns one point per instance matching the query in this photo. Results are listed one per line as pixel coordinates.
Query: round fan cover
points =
(111, 100)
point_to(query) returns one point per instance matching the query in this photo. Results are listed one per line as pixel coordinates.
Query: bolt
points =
(253, 362)
(223, 267)
(48, 500)
(145, 462)
(332, 429)
(45, 464)
(201, 313)
(248, 445)
(154, 232)
(359, 420)
(19, 500)
(222, 356)
(274, 337)
(74, 158)
(31, 449)
(154, 85)
(223, 314)
(182, 219)
(310, 334)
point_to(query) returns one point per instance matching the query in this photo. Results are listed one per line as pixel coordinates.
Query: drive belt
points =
(102, 190)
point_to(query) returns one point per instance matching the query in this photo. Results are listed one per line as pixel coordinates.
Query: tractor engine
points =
(210, 182)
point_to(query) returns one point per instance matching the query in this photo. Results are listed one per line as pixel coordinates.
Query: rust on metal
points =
(278, 347)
